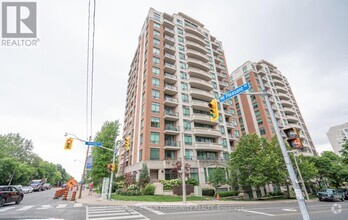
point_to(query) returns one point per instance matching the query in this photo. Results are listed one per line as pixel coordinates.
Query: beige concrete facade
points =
(178, 68)
(338, 135)
(252, 112)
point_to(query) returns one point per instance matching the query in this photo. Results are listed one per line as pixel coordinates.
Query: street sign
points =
(233, 93)
(97, 144)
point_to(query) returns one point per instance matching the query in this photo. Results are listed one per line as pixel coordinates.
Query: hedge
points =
(208, 192)
(228, 193)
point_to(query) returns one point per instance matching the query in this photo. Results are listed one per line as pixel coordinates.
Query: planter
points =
(168, 192)
(177, 190)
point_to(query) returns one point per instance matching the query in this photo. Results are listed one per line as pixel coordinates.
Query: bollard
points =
(66, 191)
(56, 194)
(217, 197)
(73, 196)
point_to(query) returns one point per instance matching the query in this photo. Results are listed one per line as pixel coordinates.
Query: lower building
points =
(338, 135)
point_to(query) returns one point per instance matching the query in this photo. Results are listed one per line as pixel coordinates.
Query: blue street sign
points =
(233, 93)
(98, 144)
(89, 163)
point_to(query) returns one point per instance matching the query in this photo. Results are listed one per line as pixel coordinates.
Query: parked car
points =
(10, 194)
(344, 192)
(47, 186)
(27, 189)
(330, 194)
(37, 185)
(19, 187)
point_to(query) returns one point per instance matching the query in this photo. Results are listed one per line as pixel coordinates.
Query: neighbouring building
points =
(177, 69)
(253, 116)
(338, 135)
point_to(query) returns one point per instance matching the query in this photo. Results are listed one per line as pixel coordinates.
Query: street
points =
(41, 205)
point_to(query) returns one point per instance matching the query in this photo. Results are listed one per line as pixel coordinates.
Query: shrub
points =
(278, 193)
(192, 181)
(228, 193)
(168, 184)
(208, 192)
(149, 189)
(144, 177)
(125, 192)
(133, 187)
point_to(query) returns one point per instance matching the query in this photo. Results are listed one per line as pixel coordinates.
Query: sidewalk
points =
(95, 199)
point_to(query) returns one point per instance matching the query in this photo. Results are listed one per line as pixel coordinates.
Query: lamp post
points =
(183, 176)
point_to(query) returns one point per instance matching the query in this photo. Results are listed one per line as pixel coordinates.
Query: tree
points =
(144, 176)
(102, 157)
(217, 177)
(344, 152)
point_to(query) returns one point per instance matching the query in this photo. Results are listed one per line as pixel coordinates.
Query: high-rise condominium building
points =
(338, 135)
(178, 68)
(252, 111)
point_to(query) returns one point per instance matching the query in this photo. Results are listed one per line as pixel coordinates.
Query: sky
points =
(43, 89)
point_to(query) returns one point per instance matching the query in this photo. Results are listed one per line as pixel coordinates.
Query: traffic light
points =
(214, 111)
(112, 167)
(127, 142)
(68, 144)
(293, 138)
(108, 167)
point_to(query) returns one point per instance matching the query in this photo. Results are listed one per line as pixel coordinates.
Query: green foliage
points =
(129, 179)
(102, 157)
(208, 192)
(144, 176)
(168, 184)
(228, 193)
(278, 193)
(19, 165)
(149, 189)
(218, 177)
(133, 187)
(192, 181)
(126, 192)
(344, 152)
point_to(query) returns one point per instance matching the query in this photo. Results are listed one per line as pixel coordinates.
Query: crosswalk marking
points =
(6, 208)
(61, 206)
(77, 205)
(25, 208)
(45, 207)
(112, 213)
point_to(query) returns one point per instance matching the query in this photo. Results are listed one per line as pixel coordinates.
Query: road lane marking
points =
(45, 207)
(289, 210)
(153, 210)
(61, 206)
(123, 217)
(25, 208)
(111, 214)
(77, 205)
(6, 208)
(255, 212)
(107, 213)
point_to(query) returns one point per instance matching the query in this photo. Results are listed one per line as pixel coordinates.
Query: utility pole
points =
(297, 189)
(299, 173)
(84, 169)
(183, 168)
(116, 143)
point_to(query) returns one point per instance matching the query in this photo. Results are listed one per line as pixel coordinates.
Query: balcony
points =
(171, 116)
(169, 40)
(169, 58)
(200, 84)
(195, 46)
(169, 68)
(171, 130)
(171, 90)
(200, 105)
(216, 53)
(171, 102)
(228, 113)
(284, 96)
(230, 125)
(197, 55)
(220, 67)
(227, 103)
(222, 85)
(169, 49)
(203, 119)
(201, 94)
(169, 78)
(294, 125)
(197, 73)
(292, 119)
(289, 111)
(232, 137)
(276, 76)
(172, 145)
(194, 31)
(214, 44)
(195, 39)
(286, 103)
(168, 24)
(169, 32)
(198, 64)
(206, 132)
(278, 82)
(208, 146)
(281, 89)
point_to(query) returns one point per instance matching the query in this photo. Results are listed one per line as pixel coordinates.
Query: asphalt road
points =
(41, 205)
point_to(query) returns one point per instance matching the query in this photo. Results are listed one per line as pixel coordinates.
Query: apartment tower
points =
(338, 135)
(253, 116)
(178, 68)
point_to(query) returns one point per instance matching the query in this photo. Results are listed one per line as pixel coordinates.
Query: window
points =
(155, 71)
(140, 155)
(142, 123)
(214, 85)
(186, 110)
(187, 125)
(141, 139)
(155, 82)
(180, 31)
(155, 60)
(259, 121)
(262, 131)
(222, 129)
(234, 122)
(155, 137)
(211, 67)
(156, 51)
(255, 105)
(156, 42)
(185, 97)
(170, 174)
(156, 34)
(142, 110)
(188, 139)
(224, 142)
(156, 26)
(181, 47)
(257, 113)
(184, 86)
(236, 133)
(182, 66)
(183, 75)
(182, 56)
(181, 39)
(213, 75)
(216, 95)
(188, 154)
(157, 17)
(194, 173)
(155, 107)
(179, 22)
(155, 94)
(155, 122)
(154, 154)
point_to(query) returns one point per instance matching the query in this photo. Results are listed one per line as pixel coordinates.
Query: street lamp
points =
(183, 177)
(299, 172)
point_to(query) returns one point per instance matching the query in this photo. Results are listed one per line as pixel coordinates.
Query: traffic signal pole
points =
(113, 166)
(295, 183)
